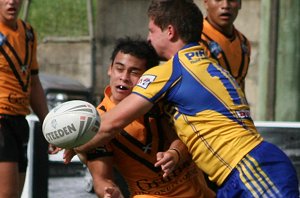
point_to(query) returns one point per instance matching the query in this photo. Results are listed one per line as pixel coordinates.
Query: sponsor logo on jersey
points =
(13, 98)
(195, 55)
(145, 81)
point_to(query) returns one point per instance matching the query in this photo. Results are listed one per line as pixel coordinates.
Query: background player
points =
(20, 88)
(225, 43)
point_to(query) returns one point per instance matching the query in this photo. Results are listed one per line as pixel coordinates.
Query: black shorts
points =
(14, 135)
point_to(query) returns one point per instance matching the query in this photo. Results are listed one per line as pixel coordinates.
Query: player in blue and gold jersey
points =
(207, 107)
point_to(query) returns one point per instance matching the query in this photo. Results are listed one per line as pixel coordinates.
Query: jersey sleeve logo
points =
(145, 81)
(243, 114)
(215, 49)
(2, 39)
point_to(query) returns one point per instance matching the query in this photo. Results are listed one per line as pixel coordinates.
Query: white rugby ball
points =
(71, 124)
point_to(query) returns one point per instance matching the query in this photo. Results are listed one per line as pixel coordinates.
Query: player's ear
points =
(171, 32)
(240, 4)
(109, 70)
(205, 4)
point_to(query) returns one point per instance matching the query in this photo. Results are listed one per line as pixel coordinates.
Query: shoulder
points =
(245, 43)
(241, 35)
(24, 23)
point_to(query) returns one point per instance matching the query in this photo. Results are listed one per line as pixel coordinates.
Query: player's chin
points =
(122, 94)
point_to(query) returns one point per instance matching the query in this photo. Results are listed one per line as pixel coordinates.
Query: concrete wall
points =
(72, 60)
(117, 19)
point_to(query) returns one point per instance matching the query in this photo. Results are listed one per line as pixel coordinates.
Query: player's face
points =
(222, 13)
(158, 39)
(124, 75)
(9, 10)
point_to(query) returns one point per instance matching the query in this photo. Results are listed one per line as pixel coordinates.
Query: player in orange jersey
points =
(20, 89)
(224, 42)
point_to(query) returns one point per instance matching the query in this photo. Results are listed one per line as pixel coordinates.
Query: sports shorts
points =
(14, 135)
(264, 172)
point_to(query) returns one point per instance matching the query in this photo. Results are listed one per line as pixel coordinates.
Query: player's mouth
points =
(123, 88)
(225, 16)
(12, 11)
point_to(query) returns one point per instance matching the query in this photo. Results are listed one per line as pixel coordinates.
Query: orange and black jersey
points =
(233, 54)
(17, 63)
(134, 153)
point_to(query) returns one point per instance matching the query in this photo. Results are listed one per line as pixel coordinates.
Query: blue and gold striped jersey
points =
(208, 108)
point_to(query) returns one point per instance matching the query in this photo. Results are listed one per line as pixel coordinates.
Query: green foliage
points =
(60, 18)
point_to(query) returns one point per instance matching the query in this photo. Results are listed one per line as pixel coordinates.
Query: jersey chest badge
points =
(145, 80)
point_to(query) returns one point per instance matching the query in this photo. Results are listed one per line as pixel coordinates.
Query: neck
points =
(174, 48)
(11, 24)
(226, 30)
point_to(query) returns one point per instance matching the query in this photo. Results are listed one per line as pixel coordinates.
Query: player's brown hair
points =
(183, 15)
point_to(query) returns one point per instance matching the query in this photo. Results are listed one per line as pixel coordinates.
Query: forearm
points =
(101, 138)
(102, 174)
(113, 121)
(37, 98)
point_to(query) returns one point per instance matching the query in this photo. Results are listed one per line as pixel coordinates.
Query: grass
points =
(59, 17)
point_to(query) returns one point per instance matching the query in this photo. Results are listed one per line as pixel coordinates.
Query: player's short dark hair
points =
(136, 47)
(184, 15)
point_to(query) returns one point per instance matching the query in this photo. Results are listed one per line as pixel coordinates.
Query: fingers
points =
(53, 149)
(160, 159)
(159, 156)
(112, 192)
(68, 155)
(168, 168)
(167, 161)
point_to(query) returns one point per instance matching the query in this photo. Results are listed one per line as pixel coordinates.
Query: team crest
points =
(145, 81)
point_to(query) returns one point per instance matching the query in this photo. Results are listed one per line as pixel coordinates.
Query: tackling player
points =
(208, 109)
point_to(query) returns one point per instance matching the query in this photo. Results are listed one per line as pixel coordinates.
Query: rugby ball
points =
(71, 124)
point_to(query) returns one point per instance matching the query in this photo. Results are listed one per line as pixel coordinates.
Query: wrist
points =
(178, 154)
